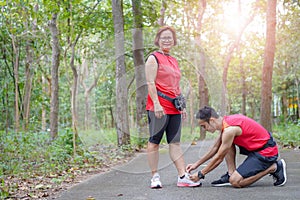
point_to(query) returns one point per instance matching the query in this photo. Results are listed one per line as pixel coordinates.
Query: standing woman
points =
(163, 76)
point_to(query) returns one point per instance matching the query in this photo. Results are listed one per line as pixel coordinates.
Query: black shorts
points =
(169, 123)
(254, 164)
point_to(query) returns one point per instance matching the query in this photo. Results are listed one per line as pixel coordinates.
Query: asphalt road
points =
(132, 181)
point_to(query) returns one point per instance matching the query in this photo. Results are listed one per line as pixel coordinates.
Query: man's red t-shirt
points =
(167, 81)
(253, 136)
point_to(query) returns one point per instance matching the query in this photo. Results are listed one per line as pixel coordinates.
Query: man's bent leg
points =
(238, 181)
(230, 160)
(231, 167)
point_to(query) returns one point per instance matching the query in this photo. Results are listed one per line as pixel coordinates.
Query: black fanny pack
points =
(178, 102)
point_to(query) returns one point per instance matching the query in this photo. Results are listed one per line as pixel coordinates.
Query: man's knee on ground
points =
(234, 183)
(235, 180)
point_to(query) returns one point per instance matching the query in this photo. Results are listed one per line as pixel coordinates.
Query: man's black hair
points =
(206, 113)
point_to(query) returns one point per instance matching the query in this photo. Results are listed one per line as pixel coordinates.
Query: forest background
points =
(73, 88)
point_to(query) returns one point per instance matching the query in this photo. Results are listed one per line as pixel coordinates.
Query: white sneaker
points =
(155, 181)
(187, 182)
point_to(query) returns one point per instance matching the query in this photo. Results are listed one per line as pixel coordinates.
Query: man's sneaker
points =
(155, 181)
(280, 174)
(187, 182)
(223, 181)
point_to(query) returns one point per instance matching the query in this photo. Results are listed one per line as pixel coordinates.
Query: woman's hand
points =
(158, 111)
(183, 114)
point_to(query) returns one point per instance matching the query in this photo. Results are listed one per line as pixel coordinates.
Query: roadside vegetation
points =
(32, 167)
(288, 134)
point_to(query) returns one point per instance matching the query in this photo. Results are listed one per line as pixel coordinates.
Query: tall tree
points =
(202, 87)
(139, 63)
(16, 79)
(161, 20)
(28, 68)
(87, 73)
(75, 32)
(232, 47)
(122, 121)
(266, 84)
(54, 77)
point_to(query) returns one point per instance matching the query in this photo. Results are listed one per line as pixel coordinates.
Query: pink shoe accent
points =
(189, 184)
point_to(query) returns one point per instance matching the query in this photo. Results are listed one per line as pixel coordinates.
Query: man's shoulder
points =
(236, 130)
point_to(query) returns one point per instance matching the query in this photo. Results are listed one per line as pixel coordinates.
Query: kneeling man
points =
(252, 139)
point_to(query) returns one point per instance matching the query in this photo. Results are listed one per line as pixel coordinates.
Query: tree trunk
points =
(6, 97)
(54, 78)
(88, 90)
(203, 91)
(297, 97)
(122, 121)
(44, 112)
(161, 20)
(266, 91)
(234, 45)
(28, 86)
(82, 80)
(202, 87)
(73, 96)
(74, 88)
(139, 63)
(16, 82)
(285, 104)
(28, 74)
(244, 87)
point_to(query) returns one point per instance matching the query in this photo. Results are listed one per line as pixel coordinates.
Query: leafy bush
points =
(288, 134)
(29, 158)
(25, 153)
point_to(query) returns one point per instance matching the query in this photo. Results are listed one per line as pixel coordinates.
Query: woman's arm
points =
(151, 72)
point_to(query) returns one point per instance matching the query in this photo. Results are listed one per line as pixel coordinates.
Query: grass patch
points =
(109, 137)
(102, 137)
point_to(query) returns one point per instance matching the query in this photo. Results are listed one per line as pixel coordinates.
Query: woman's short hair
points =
(162, 29)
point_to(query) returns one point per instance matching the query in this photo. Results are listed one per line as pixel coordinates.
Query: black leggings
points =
(169, 123)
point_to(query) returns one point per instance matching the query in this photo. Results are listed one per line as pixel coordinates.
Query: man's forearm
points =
(216, 161)
(205, 158)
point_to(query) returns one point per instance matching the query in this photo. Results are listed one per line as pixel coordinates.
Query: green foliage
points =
(26, 156)
(33, 153)
(288, 134)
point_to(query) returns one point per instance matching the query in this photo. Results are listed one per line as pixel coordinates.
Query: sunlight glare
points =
(231, 18)
(234, 19)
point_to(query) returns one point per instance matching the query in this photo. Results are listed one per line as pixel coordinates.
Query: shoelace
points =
(156, 178)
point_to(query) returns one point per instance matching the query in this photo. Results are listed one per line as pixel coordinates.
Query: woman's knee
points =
(152, 146)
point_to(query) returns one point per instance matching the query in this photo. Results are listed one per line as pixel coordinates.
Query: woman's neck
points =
(164, 52)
